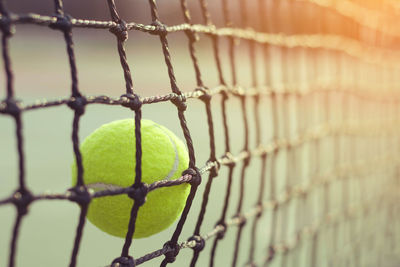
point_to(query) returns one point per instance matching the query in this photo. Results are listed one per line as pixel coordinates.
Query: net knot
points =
(246, 161)
(160, 28)
(173, 251)
(139, 193)
(6, 26)
(241, 220)
(11, 107)
(78, 104)
(191, 35)
(131, 101)
(63, 23)
(229, 160)
(256, 98)
(271, 253)
(215, 168)
(180, 102)
(22, 198)
(80, 195)
(120, 30)
(196, 176)
(200, 243)
(123, 262)
(224, 93)
(259, 210)
(206, 97)
(221, 233)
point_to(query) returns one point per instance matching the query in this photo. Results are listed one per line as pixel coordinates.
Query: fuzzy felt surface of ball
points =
(108, 157)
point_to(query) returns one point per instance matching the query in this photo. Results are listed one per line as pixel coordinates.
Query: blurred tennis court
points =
(42, 73)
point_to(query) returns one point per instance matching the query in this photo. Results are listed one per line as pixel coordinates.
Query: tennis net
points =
(316, 179)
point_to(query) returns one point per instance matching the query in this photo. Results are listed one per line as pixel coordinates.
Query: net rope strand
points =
(365, 138)
(139, 189)
(281, 107)
(315, 155)
(23, 196)
(192, 38)
(334, 42)
(363, 16)
(181, 107)
(243, 105)
(78, 105)
(224, 97)
(257, 135)
(386, 93)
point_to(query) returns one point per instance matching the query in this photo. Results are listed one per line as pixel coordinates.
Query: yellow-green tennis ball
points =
(108, 157)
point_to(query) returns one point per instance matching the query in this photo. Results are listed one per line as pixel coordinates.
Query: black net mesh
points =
(320, 123)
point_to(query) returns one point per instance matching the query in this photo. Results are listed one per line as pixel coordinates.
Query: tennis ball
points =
(108, 157)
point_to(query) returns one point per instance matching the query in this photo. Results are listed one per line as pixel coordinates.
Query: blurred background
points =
(41, 71)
